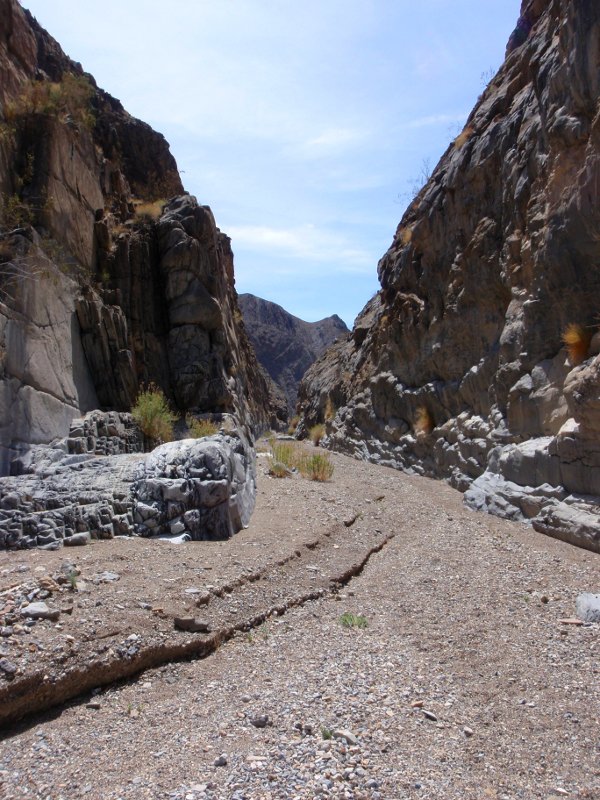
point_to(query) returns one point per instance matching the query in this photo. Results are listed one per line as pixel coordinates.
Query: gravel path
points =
(463, 684)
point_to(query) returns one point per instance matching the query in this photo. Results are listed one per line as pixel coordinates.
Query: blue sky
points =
(304, 125)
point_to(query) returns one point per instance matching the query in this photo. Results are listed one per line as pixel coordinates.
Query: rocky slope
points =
(286, 345)
(110, 275)
(457, 369)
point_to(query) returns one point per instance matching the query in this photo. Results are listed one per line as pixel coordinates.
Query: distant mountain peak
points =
(286, 345)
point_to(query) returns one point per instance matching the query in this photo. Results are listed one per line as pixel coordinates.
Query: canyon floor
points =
(468, 681)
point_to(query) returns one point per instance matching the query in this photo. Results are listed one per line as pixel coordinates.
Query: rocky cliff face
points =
(457, 369)
(110, 276)
(286, 345)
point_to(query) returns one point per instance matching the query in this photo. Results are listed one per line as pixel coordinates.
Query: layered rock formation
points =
(285, 345)
(456, 369)
(110, 276)
(99, 484)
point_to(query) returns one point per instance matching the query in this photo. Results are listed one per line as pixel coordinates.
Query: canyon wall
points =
(111, 277)
(457, 368)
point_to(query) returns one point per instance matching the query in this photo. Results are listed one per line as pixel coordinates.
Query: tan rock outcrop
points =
(494, 258)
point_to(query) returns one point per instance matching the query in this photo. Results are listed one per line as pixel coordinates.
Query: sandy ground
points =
(454, 675)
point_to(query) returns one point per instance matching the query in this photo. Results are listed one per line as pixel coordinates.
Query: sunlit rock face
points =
(456, 369)
(111, 277)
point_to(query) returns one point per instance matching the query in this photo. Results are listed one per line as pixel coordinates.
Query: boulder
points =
(205, 488)
(195, 488)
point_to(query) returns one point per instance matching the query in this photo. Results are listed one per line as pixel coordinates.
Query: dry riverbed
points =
(466, 682)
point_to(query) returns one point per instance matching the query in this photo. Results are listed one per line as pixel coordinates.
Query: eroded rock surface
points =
(97, 484)
(456, 368)
(111, 277)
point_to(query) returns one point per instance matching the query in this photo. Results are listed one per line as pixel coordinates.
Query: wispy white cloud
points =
(332, 141)
(306, 242)
(432, 120)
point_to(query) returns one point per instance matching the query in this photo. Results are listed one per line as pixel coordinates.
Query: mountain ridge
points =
(285, 344)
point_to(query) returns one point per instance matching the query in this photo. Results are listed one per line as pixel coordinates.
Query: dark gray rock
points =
(456, 369)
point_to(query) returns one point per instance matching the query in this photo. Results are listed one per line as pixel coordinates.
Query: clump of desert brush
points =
(287, 457)
(156, 421)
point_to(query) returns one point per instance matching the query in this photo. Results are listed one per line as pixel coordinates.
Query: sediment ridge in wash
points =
(458, 368)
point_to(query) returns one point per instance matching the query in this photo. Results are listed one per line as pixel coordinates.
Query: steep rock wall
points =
(110, 275)
(456, 368)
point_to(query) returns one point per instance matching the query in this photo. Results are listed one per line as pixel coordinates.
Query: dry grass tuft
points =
(577, 341)
(330, 410)
(278, 470)
(316, 433)
(316, 467)
(199, 428)
(285, 453)
(424, 422)
(293, 425)
(149, 210)
(406, 235)
(463, 137)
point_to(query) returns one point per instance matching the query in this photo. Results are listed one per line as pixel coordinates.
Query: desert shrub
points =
(284, 453)
(463, 137)
(199, 428)
(330, 410)
(293, 425)
(70, 99)
(423, 421)
(153, 415)
(316, 467)
(349, 620)
(279, 470)
(577, 341)
(148, 211)
(406, 235)
(14, 212)
(316, 433)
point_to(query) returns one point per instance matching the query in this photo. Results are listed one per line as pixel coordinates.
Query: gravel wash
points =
(456, 675)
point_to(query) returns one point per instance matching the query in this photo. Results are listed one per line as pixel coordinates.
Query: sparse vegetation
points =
(577, 340)
(279, 470)
(148, 211)
(316, 433)
(284, 453)
(349, 620)
(14, 212)
(316, 467)
(288, 456)
(293, 425)
(15, 271)
(199, 428)
(463, 137)
(424, 422)
(68, 100)
(154, 417)
(326, 733)
(330, 410)
(406, 235)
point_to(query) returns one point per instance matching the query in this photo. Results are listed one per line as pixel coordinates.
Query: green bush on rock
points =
(154, 417)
